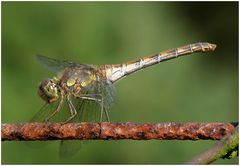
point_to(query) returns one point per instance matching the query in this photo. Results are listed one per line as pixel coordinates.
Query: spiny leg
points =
(57, 110)
(106, 112)
(88, 97)
(91, 95)
(104, 109)
(101, 110)
(72, 110)
(100, 91)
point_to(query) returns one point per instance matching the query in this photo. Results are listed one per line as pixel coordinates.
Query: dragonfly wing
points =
(42, 113)
(54, 65)
(88, 111)
(48, 109)
(68, 148)
(109, 94)
(40, 116)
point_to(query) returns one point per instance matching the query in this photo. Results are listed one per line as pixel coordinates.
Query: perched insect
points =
(87, 91)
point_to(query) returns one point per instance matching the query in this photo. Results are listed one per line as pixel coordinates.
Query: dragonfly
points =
(87, 91)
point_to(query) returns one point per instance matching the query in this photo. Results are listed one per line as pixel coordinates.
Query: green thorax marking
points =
(73, 76)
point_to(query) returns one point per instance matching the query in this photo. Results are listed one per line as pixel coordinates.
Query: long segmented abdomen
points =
(115, 72)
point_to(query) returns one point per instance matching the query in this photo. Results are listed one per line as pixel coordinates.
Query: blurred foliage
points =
(196, 88)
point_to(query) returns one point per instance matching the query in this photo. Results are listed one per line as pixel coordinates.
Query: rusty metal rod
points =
(106, 130)
(225, 148)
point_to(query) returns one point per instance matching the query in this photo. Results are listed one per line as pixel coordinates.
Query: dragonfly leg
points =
(101, 110)
(87, 97)
(99, 99)
(72, 110)
(57, 110)
(106, 112)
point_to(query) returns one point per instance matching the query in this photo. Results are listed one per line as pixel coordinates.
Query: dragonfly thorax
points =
(48, 91)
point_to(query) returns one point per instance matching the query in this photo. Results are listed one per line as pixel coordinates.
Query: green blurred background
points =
(196, 88)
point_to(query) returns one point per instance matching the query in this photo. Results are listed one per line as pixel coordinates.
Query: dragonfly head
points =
(48, 91)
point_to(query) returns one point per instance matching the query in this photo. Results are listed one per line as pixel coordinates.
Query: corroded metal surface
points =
(106, 130)
(50, 131)
(167, 131)
(227, 147)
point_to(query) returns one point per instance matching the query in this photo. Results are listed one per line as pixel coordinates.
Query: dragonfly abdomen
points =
(115, 72)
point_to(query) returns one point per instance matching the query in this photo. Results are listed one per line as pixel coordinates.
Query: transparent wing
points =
(89, 111)
(54, 65)
(69, 148)
(42, 113)
(40, 116)
(47, 109)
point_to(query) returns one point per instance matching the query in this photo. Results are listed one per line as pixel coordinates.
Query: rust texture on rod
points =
(106, 130)
(227, 147)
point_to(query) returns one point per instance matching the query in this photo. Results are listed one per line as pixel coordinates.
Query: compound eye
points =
(48, 91)
(45, 83)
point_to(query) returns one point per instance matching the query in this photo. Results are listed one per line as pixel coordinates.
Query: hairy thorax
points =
(73, 79)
